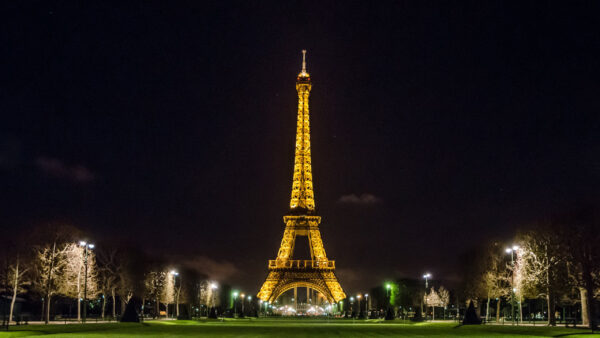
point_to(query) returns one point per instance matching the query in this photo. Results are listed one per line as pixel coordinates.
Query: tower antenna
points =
(304, 61)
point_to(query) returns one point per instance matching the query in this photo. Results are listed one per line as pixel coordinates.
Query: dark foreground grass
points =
(287, 328)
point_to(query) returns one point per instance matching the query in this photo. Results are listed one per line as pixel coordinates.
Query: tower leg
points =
(296, 298)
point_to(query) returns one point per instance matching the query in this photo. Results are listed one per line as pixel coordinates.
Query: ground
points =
(289, 328)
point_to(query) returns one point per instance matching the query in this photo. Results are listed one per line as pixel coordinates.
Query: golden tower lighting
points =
(318, 273)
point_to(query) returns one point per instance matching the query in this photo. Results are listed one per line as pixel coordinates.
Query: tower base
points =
(280, 281)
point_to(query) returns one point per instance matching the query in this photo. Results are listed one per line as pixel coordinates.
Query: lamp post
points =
(234, 294)
(242, 297)
(358, 297)
(388, 286)
(174, 274)
(213, 286)
(426, 276)
(512, 251)
(367, 305)
(86, 246)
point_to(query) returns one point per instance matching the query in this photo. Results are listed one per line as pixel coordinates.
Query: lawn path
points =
(265, 328)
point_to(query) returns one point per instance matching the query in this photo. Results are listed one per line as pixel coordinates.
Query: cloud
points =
(364, 199)
(57, 168)
(217, 270)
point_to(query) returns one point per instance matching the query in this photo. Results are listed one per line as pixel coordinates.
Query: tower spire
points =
(304, 61)
(303, 74)
(303, 198)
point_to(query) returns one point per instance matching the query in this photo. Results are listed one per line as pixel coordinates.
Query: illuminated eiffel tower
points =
(318, 273)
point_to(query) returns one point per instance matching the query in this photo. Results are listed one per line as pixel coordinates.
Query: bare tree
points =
(132, 268)
(444, 296)
(14, 273)
(542, 266)
(432, 299)
(17, 275)
(49, 255)
(495, 279)
(440, 298)
(154, 288)
(49, 272)
(168, 291)
(109, 271)
(74, 279)
(580, 234)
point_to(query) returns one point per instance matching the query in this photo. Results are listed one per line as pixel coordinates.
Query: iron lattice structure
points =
(318, 273)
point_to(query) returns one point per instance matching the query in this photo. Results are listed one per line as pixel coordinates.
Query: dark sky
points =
(435, 125)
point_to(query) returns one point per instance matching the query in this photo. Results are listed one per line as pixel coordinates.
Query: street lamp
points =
(358, 297)
(388, 286)
(234, 294)
(512, 251)
(173, 273)
(427, 276)
(213, 286)
(242, 297)
(86, 247)
(367, 304)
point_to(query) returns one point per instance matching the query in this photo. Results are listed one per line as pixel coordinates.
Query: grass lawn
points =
(287, 328)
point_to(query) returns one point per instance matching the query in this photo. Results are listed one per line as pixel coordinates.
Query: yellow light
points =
(284, 272)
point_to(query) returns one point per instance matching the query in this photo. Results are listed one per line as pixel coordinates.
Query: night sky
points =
(435, 125)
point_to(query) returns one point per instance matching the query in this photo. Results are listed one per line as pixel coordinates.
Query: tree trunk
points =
(103, 306)
(457, 308)
(498, 310)
(550, 297)
(78, 309)
(585, 313)
(521, 308)
(551, 309)
(433, 313)
(79, 294)
(591, 307)
(177, 302)
(123, 304)
(15, 290)
(47, 319)
(114, 305)
(157, 308)
(49, 283)
(487, 310)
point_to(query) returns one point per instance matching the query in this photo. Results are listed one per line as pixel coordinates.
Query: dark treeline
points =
(550, 270)
(555, 261)
(46, 273)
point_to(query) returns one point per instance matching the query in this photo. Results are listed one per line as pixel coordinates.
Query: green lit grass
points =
(288, 328)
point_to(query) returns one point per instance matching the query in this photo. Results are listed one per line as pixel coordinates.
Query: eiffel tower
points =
(318, 273)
